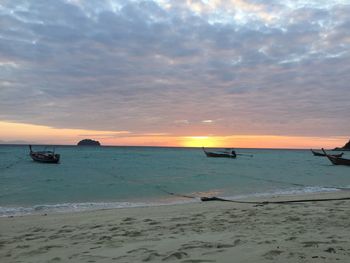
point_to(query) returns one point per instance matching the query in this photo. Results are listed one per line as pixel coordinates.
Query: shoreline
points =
(174, 199)
(196, 232)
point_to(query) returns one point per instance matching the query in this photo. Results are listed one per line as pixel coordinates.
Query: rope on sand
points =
(214, 198)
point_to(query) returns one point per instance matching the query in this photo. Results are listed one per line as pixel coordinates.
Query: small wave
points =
(91, 206)
(294, 191)
(79, 207)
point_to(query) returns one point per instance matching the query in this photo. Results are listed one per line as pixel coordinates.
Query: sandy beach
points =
(199, 232)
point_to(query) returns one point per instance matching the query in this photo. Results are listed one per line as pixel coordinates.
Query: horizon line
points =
(160, 146)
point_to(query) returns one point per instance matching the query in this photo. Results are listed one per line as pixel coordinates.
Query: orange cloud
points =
(48, 135)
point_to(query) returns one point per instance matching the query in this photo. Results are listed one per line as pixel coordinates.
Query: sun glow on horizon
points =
(38, 134)
(262, 141)
(200, 141)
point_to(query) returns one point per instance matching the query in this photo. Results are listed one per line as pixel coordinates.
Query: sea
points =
(93, 178)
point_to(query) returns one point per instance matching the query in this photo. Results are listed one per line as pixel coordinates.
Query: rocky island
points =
(346, 147)
(89, 142)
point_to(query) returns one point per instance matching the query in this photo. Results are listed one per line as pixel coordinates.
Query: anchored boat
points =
(226, 154)
(322, 154)
(44, 156)
(337, 160)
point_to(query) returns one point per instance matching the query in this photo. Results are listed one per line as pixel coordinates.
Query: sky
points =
(234, 73)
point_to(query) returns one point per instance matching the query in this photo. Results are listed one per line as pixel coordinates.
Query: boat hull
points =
(324, 155)
(337, 160)
(219, 154)
(45, 158)
(317, 154)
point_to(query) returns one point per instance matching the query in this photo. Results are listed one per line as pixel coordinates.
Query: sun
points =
(200, 141)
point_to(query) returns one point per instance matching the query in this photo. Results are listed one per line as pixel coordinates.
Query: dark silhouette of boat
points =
(44, 156)
(322, 154)
(337, 160)
(225, 154)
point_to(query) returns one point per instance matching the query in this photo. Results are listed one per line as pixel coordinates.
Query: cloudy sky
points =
(117, 69)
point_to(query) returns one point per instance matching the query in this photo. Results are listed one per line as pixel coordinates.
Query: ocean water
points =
(89, 178)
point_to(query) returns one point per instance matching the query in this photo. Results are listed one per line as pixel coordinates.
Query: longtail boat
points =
(322, 154)
(44, 156)
(337, 160)
(225, 154)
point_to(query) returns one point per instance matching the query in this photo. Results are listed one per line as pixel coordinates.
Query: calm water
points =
(106, 177)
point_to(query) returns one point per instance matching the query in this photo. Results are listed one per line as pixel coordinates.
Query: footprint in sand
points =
(38, 229)
(330, 250)
(136, 250)
(105, 238)
(272, 253)
(154, 223)
(213, 252)
(132, 234)
(290, 238)
(206, 245)
(128, 219)
(22, 246)
(96, 226)
(197, 260)
(292, 218)
(175, 255)
(2, 243)
(312, 243)
(152, 256)
(55, 259)
(64, 231)
(94, 247)
(42, 250)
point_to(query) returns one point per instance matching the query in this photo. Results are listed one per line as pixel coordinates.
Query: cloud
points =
(165, 66)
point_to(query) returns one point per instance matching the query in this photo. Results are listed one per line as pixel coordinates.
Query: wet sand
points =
(198, 232)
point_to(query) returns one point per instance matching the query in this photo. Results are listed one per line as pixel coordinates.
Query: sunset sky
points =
(234, 73)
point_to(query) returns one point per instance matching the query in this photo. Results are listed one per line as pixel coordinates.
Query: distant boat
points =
(228, 153)
(337, 160)
(322, 154)
(44, 156)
